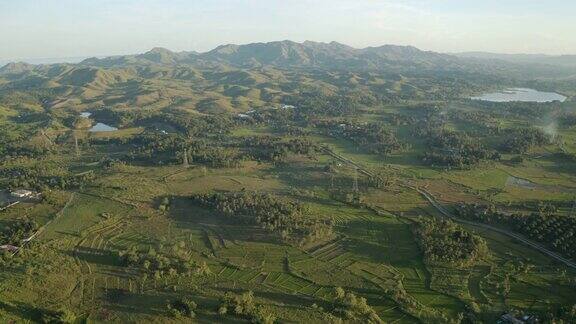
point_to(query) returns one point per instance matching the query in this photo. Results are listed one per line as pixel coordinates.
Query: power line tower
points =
(331, 180)
(76, 147)
(185, 158)
(355, 183)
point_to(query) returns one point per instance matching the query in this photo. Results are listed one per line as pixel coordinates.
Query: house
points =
(22, 193)
(509, 318)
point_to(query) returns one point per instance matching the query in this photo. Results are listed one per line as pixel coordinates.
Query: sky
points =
(32, 29)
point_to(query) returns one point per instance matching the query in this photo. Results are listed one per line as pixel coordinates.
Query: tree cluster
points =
(514, 109)
(557, 232)
(455, 149)
(182, 307)
(354, 308)
(521, 140)
(160, 264)
(17, 231)
(170, 148)
(243, 305)
(444, 241)
(270, 148)
(43, 177)
(191, 125)
(374, 137)
(283, 217)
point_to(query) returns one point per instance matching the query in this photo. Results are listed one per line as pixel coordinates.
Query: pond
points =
(101, 127)
(5, 197)
(521, 95)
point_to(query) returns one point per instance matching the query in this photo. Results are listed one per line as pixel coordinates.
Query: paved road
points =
(430, 198)
(513, 235)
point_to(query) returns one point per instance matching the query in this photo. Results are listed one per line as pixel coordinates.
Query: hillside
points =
(285, 182)
(241, 77)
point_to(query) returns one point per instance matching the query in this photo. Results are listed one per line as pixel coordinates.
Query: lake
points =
(101, 127)
(522, 95)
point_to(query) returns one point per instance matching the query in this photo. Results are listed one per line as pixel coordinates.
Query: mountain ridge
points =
(278, 53)
(308, 55)
(565, 60)
(287, 53)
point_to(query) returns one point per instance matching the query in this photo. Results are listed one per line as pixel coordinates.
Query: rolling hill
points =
(241, 77)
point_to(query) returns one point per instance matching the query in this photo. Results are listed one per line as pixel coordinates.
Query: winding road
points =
(438, 206)
(513, 235)
(41, 229)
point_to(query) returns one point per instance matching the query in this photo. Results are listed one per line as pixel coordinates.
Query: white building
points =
(22, 193)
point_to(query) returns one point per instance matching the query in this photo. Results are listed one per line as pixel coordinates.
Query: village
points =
(9, 199)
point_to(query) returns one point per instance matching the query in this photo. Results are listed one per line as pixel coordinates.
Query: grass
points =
(76, 263)
(83, 212)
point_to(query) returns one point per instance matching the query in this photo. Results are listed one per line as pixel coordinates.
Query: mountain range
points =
(289, 54)
(233, 78)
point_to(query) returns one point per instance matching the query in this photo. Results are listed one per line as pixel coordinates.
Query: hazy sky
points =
(70, 28)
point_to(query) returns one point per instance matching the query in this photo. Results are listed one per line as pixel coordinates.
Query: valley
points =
(267, 183)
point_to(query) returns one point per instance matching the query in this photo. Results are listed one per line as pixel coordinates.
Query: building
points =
(510, 318)
(22, 193)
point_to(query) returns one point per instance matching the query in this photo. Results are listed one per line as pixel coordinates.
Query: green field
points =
(215, 203)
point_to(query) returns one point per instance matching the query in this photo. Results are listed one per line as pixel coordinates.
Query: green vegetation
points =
(17, 231)
(447, 148)
(277, 189)
(354, 308)
(285, 218)
(444, 241)
(182, 308)
(244, 306)
(556, 231)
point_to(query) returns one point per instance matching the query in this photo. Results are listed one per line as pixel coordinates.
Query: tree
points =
(62, 316)
(182, 307)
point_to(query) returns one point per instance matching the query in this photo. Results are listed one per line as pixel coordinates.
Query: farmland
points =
(320, 212)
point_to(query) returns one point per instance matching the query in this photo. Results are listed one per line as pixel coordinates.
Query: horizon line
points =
(74, 59)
